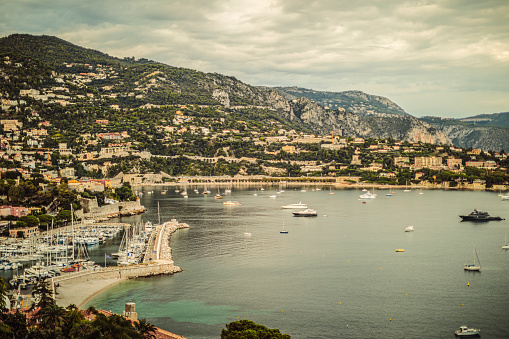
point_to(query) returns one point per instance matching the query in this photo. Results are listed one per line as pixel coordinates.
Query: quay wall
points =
(114, 272)
(124, 208)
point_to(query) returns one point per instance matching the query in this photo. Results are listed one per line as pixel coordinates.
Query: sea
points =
(336, 275)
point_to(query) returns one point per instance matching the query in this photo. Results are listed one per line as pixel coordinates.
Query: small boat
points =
(389, 195)
(330, 191)
(272, 197)
(283, 231)
(506, 246)
(367, 195)
(400, 250)
(406, 187)
(409, 228)
(163, 192)
(504, 197)
(464, 331)
(479, 216)
(231, 203)
(473, 267)
(298, 205)
(305, 213)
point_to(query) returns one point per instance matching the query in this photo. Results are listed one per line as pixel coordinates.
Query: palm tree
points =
(51, 319)
(145, 328)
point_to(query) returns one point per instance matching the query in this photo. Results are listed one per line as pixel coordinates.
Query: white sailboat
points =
(474, 267)
(506, 246)
(406, 187)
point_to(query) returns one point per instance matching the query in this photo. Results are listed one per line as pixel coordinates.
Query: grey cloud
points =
(404, 50)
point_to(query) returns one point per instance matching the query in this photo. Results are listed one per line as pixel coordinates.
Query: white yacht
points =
(464, 331)
(231, 203)
(367, 195)
(300, 205)
(409, 228)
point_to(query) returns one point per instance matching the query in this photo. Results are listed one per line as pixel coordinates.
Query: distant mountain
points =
(495, 119)
(464, 134)
(352, 101)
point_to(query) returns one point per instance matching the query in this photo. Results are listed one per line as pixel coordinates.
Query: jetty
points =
(79, 287)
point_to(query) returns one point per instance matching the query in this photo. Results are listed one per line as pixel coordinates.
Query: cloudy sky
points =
(443, 58)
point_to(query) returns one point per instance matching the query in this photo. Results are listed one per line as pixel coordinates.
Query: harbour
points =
(328, 272)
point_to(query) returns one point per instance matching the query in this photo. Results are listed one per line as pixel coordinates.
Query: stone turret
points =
(130, 311)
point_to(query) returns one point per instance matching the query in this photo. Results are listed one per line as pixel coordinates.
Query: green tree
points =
(250, 330)
(30, 220)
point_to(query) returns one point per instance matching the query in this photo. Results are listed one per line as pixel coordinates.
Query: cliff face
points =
(322, 120)
(485, 138)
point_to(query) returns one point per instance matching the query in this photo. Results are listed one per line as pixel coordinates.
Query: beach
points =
(78, 293)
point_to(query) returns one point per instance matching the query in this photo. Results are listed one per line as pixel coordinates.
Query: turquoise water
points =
(336, 275)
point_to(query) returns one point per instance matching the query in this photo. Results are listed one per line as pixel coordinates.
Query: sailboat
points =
(506, 246)
(218, 195)
(330, 190)
(406, 187)
(473, 267)
(246, 233)
(283, 231)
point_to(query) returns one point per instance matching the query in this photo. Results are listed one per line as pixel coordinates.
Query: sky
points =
(446, 58)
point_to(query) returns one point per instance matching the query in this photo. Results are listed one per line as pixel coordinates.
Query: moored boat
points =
(300, 204)
(409, 228)
(479, 216)
(231, 203)
(305, 213)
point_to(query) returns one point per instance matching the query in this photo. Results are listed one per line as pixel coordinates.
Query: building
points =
(454, 163)
(28, 232)
(427, 161)
(401, 161)
(19, 211)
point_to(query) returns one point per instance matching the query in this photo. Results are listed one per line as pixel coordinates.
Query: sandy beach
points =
(79, 293)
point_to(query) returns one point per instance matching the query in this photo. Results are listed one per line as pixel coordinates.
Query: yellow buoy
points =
(346, 325)
(468, 284)
(390, 319)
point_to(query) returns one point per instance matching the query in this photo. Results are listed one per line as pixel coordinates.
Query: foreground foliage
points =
(246, 329)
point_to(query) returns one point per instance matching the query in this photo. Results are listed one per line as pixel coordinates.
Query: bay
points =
(336, 275)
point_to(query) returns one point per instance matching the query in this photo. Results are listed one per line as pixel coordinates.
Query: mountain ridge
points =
(144, 83)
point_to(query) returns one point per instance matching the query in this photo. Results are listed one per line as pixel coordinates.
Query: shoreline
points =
(81, 293)
(321, 184)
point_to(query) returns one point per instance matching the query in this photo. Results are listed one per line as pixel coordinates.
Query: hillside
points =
(495, 120)
(464, 134)
(110, 87)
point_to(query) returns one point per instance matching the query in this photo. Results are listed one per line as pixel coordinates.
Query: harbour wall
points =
(125, 208)
(121, 272)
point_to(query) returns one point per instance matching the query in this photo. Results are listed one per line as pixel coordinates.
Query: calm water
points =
(336, 275)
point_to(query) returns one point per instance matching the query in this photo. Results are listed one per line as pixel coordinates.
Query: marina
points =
(327, 272)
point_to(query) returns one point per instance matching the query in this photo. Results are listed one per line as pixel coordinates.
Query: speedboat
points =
(272, 197)
(400, 250)
(464, 331)
(479, 216)
(298, 205)
(409, 228)
(231, 203)
(305, 213)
